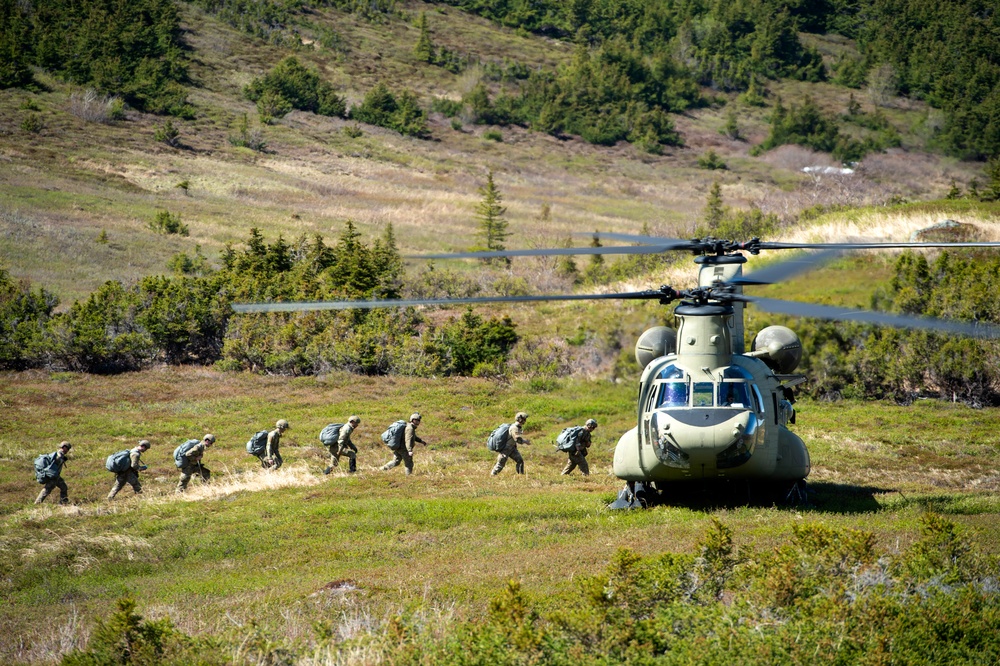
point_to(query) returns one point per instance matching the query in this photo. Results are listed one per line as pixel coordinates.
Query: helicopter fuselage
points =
(708, 411)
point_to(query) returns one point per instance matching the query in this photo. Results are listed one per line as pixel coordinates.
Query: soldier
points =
(49, 473)
(191, 460)
(578, 452)
(515, 436)
(404, 454)
(345, 447)
(272, 454)
(131, 475)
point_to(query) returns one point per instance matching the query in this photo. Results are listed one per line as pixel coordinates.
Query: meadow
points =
(275, 555)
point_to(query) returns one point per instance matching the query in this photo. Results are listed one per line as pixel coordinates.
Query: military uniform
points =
(192, 463)
(131, 475)
(56, 481)
(345, 447)
(578, 454)
(515, 436)
(272, 451)
(404, 454)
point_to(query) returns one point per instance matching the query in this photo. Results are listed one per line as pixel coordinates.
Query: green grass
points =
(446, 538)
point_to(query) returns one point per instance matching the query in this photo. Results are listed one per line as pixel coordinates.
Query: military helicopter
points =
(708, 411)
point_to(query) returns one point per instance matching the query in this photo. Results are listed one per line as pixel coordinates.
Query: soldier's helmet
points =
(355, 419)
(415, 416)
(209, 439)
(144, 443)
(282, 424)
(591, 423)
(521, 416)
(66, 445)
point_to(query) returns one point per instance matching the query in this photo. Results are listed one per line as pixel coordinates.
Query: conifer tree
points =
(714, 210)
(490, 212)
(424, 50)
(595, 271)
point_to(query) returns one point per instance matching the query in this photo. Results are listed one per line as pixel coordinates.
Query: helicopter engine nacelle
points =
(654, 343)
(783, 347)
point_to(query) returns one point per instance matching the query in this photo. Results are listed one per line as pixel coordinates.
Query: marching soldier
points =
(48, 471)
(272, 454)
(131, 474)
(578, 451)
(404, 454)
(191, 460)
(345, 447)
(515, 436)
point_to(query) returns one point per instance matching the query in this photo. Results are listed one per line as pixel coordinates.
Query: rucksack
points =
(45, 467)
(257, 444)
(393, 435)
(330, 434)
(566, 441)
(498, 438)
(180, 453)
(119, 461)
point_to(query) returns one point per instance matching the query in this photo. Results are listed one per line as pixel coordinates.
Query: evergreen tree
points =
(490, 212)
(424, 50)
(567, 263)
(714, 210)
(595, 271)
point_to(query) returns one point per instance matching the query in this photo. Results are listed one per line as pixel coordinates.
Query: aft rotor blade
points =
(787, 269)
(544, 252)
(671, 243)
(795, 308)
(301, 306)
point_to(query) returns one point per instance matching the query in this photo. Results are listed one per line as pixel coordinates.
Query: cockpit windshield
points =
(734, 390)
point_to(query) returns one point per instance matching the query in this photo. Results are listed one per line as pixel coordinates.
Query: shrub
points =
(165, 223)
(32, 123)
(383, 108)
(353, 131)
(247, 137)
(291, 85)
(493, 135)
(167, 133)
(711, 161)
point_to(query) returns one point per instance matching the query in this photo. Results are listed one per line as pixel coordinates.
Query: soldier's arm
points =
(134, 459)
(270, 441)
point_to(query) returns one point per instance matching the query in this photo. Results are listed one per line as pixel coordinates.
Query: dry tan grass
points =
(230, 483)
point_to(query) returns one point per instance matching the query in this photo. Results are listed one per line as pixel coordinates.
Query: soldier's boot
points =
(352, 467)
(328, 469)
(519, 468)
(64, 499)
(111, 495)
(42, 495)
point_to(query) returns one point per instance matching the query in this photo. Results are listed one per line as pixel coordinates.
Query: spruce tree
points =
(490, 212)
(424, 50)
(714, 210)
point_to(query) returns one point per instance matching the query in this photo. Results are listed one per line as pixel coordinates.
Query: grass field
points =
(274, 553)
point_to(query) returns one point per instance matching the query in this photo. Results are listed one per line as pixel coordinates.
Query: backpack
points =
(498, 438)
(119, 462)
(393, 435)
(257, 444)
(180, 453)
(45, 467)
(330, 434)
(566, 441)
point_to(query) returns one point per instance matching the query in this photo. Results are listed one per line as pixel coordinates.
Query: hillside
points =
(69, 180)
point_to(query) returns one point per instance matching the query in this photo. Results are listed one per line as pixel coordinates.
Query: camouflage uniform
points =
(345, 447)
(272, 450)
(131, 475)
(192, 463)
(56, 481)
(515, 436)
(404, 454)
(578, 454)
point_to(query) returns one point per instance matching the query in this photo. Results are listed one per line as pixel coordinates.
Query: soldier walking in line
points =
(190, 458)
(404, 452)
(515, 436)
(345, 447)
(131, 473)
(579, 444)
(48, 471)
(272, 453)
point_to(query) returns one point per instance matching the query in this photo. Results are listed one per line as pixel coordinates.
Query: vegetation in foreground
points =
(411, 568)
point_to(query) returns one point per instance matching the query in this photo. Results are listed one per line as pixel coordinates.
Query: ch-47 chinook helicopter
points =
(708, 410)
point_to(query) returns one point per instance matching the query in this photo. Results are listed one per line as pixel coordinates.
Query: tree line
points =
(188, 319)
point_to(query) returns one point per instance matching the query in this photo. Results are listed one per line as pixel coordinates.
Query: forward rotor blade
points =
(544, 252)
(299, 306)
(672, 243)
(870, 246)
(787, 269)
(795, 308)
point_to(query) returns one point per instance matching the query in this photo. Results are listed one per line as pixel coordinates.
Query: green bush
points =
(383, 108)
(291, 85)
(167, 223)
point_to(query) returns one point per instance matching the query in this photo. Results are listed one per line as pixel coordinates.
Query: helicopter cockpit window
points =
(702, 394)
(671, 372)
(734, 394)
(673, 394)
